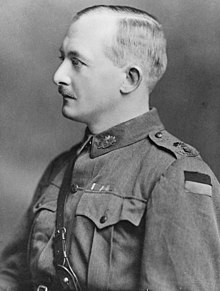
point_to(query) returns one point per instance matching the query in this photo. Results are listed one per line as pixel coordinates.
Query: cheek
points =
(110, 76)
(97, 83)
(108, 82)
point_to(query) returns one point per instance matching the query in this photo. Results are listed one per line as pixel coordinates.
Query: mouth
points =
(65, 93)
(65, 96)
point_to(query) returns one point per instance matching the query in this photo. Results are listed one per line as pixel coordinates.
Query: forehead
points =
(90, 31)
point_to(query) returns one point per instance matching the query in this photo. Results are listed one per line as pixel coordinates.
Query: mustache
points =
(64, 92)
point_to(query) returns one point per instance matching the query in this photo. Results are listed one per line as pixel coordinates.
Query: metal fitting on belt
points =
(42, 288)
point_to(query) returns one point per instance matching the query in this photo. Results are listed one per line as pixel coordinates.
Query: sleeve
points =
(14, 271)
(182, 238)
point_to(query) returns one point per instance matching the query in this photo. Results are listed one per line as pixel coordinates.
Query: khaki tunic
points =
(142, 214)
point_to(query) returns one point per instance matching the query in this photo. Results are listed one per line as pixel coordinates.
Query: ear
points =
(133, 77)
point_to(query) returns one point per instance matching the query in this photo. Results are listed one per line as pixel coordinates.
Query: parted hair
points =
(139, 39)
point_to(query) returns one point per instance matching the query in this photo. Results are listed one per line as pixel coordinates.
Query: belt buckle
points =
(42, 288)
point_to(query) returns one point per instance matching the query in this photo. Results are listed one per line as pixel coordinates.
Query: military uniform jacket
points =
(142, 214)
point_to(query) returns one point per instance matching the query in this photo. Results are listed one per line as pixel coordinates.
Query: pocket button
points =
(38, 205)
(103, 219)
(74, 188)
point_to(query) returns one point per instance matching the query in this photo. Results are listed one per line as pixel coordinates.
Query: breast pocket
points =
(43, 225)
(111, 223)
(44, 220)
(40, 254)
(107, 209)
(45, 208)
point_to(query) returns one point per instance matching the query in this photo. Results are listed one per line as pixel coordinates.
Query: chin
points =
(67, 112)
(70, 114)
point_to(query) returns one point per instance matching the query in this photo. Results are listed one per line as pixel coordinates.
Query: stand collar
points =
(123, 134)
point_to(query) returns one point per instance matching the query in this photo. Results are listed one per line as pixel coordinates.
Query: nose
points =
(61, 76)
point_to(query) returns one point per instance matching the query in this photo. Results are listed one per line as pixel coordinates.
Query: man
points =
(131, 207)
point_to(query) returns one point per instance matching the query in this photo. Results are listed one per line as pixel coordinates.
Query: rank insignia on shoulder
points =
(199, 183)
(167, 141)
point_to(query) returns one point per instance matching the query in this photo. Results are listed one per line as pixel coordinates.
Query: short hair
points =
(139, 38)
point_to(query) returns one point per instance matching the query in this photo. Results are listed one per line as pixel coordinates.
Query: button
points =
(74, 188)
(38, 205)
(159, 134)
(103, 219)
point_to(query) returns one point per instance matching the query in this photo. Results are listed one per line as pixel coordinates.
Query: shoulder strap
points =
(167, 141)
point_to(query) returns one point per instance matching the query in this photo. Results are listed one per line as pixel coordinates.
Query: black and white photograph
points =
(110, 145)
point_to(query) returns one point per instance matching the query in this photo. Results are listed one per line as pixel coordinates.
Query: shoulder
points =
(187, 186)
(187, 172)
(55, 170)
(165, 150)
(180, 162)
(59, 163)
(167, 142)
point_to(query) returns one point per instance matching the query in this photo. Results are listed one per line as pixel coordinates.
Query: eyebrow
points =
(75, 54)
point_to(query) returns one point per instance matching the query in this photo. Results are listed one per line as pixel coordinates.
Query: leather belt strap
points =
(66, 275)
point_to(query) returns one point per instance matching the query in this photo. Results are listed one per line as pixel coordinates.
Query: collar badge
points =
(106, 141)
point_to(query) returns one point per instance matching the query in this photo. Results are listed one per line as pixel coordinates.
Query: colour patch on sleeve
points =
(199, 183)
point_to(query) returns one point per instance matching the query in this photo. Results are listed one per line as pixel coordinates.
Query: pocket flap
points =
(106, 209)
(48, 200)
(43, 203)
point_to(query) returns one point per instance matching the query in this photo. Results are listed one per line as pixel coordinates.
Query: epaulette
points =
(169, 142)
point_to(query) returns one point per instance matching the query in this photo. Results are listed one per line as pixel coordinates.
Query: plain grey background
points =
(32, 128)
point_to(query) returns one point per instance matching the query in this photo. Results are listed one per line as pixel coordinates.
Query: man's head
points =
(111, 56)
(139, 39)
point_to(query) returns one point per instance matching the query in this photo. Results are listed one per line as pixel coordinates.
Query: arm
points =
(182, 241)
(14, 266)
(14, 273)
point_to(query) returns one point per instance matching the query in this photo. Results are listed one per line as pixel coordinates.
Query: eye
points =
(76, 62)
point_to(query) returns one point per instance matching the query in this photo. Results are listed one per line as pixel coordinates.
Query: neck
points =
(110, 119)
